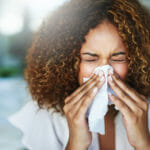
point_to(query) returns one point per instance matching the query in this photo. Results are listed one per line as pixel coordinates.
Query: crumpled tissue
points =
(99, 106)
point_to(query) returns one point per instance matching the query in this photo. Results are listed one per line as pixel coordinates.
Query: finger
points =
(100, 81)
(124, 109)
(93, 77)
(142, 96)
(122, 95)
(78, 94)
(130, 91)
(98, 76)
(82, 106)
(83, 95)
(81, 91)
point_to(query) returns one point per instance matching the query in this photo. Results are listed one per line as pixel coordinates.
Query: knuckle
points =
(84, 105)
(122, 95)
(90, 95)
(121, 105)
(139, 112)
(145, 105)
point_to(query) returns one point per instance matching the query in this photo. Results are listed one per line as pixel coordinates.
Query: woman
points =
(71, 43)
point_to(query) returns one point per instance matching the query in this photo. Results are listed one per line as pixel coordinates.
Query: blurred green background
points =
(19, 20)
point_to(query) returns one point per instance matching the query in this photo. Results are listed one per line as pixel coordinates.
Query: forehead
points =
(105, 37)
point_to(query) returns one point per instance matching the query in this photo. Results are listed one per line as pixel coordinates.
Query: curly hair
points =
(53, 58)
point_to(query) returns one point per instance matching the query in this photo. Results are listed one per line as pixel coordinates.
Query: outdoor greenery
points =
(10, 71)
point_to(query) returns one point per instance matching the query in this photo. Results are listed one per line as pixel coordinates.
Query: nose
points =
(103, 62)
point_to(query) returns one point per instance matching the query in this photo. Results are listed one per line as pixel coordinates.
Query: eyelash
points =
(118, 60)
(95, 60)
(90, 60)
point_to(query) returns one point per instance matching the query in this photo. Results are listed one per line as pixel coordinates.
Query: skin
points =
(104, 46)
(134, 110)
(97, 44)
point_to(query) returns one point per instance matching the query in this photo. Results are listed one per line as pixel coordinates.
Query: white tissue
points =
(99, 106)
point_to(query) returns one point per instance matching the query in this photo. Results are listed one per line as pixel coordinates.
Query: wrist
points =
(144, 147)
(75, 146)
(72, 147)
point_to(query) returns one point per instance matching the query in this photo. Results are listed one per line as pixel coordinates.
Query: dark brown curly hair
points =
(53, 59)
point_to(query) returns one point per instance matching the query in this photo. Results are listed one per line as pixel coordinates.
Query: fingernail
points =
(102, 78)
(110, 78)
(95, 90)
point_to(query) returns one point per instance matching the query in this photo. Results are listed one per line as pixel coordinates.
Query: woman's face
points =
(103, 46)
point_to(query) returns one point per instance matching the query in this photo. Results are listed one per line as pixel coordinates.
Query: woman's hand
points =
(75, 109)
(134, 109)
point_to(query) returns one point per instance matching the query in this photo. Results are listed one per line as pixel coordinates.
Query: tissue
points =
(99, 106)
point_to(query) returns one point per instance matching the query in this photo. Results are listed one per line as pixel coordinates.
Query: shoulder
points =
(40, 125)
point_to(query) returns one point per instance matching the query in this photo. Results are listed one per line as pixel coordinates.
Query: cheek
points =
(85, 71)
(121, 70)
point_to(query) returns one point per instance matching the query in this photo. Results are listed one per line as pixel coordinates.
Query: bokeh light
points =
(11, 24)
(12, 11)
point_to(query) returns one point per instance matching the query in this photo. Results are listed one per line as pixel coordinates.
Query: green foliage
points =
(10, 71)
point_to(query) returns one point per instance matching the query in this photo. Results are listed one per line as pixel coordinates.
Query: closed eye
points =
(90, 60)
(121, 60)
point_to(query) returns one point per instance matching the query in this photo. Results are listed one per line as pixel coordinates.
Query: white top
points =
(43, 130)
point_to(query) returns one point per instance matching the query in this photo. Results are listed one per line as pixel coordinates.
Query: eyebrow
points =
(118, 53)
(95, 55)
(91, 54)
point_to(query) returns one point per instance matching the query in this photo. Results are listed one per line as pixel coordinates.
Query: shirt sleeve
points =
(37, 127)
